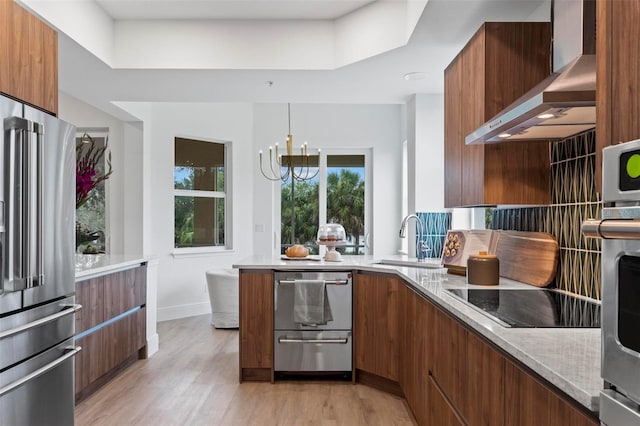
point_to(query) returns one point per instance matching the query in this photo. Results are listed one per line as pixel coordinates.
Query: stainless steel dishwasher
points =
(300, 348)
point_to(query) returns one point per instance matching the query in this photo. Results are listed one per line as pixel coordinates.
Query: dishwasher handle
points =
(330, 341)
(327, 282)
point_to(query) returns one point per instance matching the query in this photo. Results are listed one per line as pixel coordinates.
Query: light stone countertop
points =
(94, 265)
(569, 358)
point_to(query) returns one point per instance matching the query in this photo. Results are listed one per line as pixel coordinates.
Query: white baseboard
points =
(153, 344)
(183, 311)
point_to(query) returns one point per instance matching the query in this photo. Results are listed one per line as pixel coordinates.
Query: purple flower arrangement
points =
(88, 174)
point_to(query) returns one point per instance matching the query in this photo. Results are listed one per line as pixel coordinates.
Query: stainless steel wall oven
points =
(619, 229)
(314, 346)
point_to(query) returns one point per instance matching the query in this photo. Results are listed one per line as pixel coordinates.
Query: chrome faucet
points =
(422, 246)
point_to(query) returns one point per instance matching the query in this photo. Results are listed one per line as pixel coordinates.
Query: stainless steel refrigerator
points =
(37, 262)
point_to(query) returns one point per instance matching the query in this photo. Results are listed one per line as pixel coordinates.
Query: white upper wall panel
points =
(374, 29)
(414, 12)
(224, 44)
(340, 33)
(230, 9)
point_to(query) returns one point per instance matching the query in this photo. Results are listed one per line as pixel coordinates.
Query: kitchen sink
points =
(430, 263)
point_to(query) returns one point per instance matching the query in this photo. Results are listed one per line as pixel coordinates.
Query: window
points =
(91, 223)
(345, 198)
(338, 194)
(200, 192)
(299, 206)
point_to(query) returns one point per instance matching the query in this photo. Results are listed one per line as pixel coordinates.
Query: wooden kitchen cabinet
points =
(499, 64)
(453, 134)
(466, 370)
(447, 357)
(484, 382)
(110, 327)
(256, 325)
(28, 57)
(376, 324)
(107, 351)
(440, 412)
(124, 291)
(90, 294)
(618, 76)
(528, 402)
(408, 345)
(416, 328)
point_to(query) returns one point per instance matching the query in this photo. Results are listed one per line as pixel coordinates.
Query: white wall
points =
(425, 153)
(378, 127)
(181, 283)
(425, 156)
(181, 279)
(124, 217)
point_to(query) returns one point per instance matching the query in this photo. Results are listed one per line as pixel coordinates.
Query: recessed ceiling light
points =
(504, 135)
(410, 76)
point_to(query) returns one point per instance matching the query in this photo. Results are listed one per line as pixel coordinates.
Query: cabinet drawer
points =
(312, 351)
(107, 348)
(90, 294)
(441, 413)
(124, 291)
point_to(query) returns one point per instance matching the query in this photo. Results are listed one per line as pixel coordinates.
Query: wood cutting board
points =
(528, 257)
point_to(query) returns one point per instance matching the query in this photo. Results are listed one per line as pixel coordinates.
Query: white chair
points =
(222, 285)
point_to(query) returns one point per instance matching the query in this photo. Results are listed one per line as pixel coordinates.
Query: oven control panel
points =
(629, 170)
(621, 173)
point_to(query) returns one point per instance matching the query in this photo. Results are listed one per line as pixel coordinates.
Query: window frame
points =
(226, 195)
(322, 193)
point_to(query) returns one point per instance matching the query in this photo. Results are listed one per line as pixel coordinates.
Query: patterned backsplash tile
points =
(434, 231)
(574, 199)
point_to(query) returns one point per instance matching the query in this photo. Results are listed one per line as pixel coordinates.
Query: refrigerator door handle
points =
(38, 129)
(72, 308)
(23, 248)
(73, 350)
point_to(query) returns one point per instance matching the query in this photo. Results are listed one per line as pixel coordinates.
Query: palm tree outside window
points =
(337, 195)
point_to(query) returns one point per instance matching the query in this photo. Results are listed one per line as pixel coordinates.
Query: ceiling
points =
(441, 31)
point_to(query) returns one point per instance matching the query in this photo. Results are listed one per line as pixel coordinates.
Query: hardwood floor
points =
(193, 380)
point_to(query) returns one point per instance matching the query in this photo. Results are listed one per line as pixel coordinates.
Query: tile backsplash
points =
(573, 199)
(435, 226)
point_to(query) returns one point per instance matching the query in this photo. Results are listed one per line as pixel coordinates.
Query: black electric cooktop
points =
(533, 308)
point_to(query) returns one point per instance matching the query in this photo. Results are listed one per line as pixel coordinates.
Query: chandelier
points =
(281, 167)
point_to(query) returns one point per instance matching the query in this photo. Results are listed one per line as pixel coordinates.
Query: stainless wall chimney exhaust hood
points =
(563, 104)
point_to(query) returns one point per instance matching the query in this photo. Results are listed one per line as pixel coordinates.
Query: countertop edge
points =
(117, 266)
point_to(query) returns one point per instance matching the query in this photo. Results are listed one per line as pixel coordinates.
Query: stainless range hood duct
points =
(563, 104)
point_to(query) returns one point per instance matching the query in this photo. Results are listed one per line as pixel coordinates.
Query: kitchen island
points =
(437, 348)
(111, 326)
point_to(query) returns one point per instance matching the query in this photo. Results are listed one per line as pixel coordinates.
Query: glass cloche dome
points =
(331, 232)
(331, 235)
